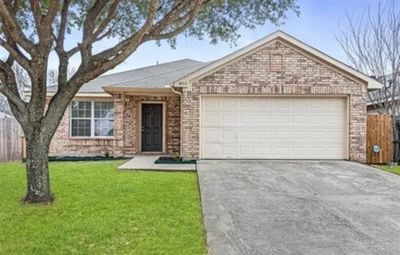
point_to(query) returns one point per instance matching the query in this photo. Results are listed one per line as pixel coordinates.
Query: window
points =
(92, 119)
(81, 114)
(103, 119)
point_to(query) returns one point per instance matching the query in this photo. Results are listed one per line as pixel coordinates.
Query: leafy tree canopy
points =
(32, 30)
(217, 19)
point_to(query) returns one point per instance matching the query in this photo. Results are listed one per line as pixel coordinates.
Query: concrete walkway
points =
(299, 207)
(142, 162)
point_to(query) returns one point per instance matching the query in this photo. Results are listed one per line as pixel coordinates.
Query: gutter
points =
(109, 89)
(79, 94)
(181, 118)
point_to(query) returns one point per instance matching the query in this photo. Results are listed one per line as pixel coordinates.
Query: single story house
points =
(277, 98)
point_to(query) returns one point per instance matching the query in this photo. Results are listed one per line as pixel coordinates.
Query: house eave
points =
(80, 94)
(165, 91)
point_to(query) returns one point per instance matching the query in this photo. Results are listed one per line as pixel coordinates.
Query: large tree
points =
(371, 42)
(32, 30)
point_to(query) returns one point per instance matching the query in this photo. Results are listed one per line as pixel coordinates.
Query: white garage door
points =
(273, 128)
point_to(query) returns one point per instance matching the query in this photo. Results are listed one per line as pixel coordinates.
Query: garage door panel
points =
(264, 118)
(212, 104)
(246, 103)
(273, 128)
(283, 118)
(264, 105)
(281, 104)
(228, 135)
(264, 135)
(211, 118)
(299, 119)
(212, 150)
(229, 118)
(229, 151)
(210, 135)
(246, 135)
(247, 119)
(229, 103)
(246, 151)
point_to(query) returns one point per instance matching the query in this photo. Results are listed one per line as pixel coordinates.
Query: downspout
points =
(180, 119)
(123, 123)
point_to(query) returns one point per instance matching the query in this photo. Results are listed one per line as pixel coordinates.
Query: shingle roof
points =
(156, 76)
(386, 92)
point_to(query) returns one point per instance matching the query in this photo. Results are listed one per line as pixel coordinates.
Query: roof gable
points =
(278, 35)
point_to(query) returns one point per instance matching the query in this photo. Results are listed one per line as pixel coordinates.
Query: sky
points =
(318, 23)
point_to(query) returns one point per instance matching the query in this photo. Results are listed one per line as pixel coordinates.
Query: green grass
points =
(100, 210)
(391, 169)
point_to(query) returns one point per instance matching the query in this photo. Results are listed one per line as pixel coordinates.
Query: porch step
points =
(146, 162)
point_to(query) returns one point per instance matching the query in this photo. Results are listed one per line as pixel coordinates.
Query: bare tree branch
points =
(372, 45)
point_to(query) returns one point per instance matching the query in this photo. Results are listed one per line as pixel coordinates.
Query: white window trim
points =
(92, 121)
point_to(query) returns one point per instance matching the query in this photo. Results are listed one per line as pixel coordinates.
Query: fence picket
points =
(379, 132)
(10, 140)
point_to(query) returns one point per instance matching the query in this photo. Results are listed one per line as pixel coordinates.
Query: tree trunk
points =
(37, 170)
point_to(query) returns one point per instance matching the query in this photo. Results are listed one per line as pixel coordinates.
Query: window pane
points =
(80, 127)
(104, 110)
(81, 109)
(104, 127)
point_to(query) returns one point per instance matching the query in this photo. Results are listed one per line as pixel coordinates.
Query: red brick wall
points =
(277, 69)
(127, 123)
(62, 144)
(126, 130)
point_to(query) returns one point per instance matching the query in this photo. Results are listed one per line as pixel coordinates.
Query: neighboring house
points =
(277, 98)
(379, 97)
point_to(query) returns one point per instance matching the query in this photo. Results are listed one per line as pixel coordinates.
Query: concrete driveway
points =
(299, 207)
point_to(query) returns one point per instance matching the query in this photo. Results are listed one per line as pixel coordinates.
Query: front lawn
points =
(391, 169)
(100, 210)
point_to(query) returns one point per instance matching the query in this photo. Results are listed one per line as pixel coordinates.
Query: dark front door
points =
(152, 120)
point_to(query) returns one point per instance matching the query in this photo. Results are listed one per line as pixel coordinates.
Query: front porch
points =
(146, 124)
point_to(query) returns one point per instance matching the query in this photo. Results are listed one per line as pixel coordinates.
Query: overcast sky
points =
(317, 24)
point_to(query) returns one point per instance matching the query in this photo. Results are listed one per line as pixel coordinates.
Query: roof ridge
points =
(141, 68)
(158, 74)
(144, 67)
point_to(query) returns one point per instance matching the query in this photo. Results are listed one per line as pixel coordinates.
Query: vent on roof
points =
(275, 62)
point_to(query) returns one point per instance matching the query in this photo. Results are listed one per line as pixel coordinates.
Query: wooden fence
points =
(380, 133)
(10, 140)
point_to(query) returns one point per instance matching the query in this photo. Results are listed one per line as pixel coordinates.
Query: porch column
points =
(119, 108)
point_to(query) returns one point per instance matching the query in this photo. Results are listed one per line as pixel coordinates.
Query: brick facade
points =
(63, 144)
(127, 117)
(126, 129)
(277, 69)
